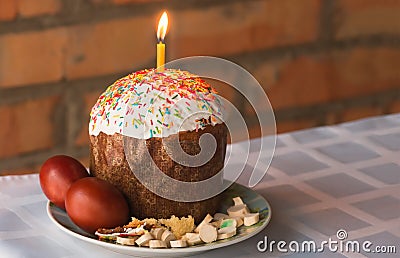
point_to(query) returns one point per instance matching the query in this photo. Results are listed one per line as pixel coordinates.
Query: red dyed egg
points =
(57, 175)
(93, 203)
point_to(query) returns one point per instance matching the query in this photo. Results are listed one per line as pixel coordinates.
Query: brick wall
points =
(320, 61)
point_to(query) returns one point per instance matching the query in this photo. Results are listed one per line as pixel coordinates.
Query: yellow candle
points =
(160, 56)
(161, 31)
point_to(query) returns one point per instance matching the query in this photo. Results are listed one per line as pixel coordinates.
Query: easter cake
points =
(134, 119)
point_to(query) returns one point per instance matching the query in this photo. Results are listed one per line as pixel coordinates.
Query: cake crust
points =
(109, 162)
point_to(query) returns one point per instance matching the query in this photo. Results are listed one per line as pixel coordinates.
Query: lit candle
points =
(161, 31)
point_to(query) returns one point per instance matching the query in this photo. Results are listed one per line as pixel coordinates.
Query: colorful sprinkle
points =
(139, 93)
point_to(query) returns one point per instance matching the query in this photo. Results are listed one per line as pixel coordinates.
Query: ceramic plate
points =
(254, 201)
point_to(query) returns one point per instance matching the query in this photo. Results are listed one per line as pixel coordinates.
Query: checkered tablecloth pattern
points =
(320, 180)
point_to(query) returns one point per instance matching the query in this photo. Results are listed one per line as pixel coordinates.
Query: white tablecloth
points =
(321, 180)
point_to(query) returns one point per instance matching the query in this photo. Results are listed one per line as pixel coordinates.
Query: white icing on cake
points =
(149, 104)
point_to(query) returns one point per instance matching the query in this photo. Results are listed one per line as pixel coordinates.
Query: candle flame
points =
(162, 27)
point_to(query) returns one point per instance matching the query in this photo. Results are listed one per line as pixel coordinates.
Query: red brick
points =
(29, 8)
(242, 26)
(301, 81)
(363, 71)
(110, 47)
(83, 138)
(254, 131)
(100, 2)
(32, 57)
(27, 126)
(122, 2)
(355, 113)
(332, 118)
(36, 168)
(395, 107)
(21, 171)
(365, 17)
(125, 44)
(84, 160)
(223, 89)
(8, 10)
(295, 124)
(320, 78)
(89, 100)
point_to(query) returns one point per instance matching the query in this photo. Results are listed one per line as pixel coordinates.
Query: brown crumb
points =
(136, 223)
(111, 230)
(150, 221)
(179, 226)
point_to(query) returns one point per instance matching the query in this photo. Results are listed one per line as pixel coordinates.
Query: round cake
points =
(143, 112)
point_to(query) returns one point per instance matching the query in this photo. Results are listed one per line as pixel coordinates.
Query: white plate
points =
(254, 201)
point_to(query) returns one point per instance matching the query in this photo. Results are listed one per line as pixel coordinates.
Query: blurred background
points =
(321, 62)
